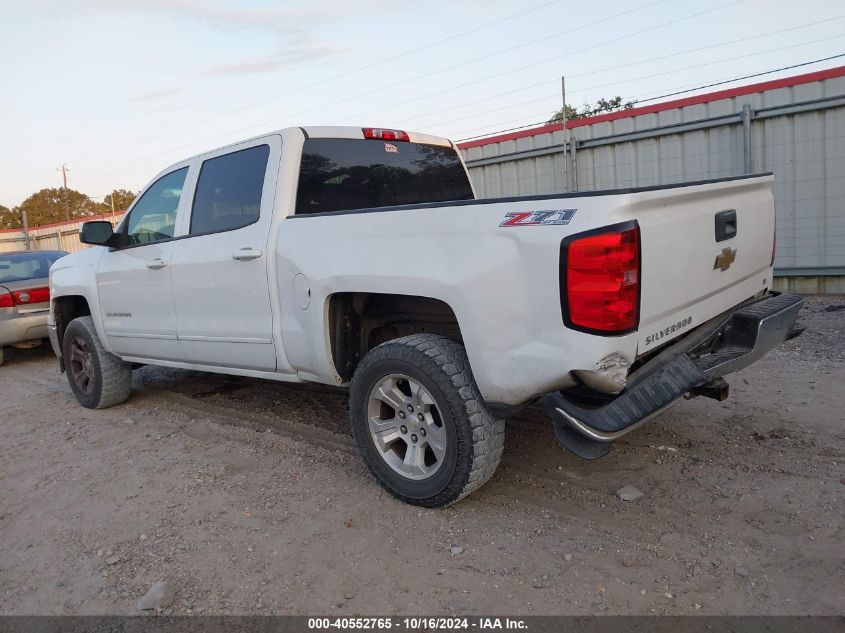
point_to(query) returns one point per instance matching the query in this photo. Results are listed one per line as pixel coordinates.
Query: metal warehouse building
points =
(793, 127)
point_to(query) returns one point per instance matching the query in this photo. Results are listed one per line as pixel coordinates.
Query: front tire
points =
(420, 422)
(97, 378)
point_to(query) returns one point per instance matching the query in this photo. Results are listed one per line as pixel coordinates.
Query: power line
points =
(265, 124)
(556, 57)
(719, 83)
(619, 66)
(671, 94)
(728, 59)
(332, 78)
(638, 101)
(392, 85)
(629, 80)
(511, 49)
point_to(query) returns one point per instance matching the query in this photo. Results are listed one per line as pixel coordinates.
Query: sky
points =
(119, 89)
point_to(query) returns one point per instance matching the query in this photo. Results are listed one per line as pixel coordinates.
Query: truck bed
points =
(502, 277)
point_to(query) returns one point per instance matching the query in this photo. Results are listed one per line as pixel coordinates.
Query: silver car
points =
(25, 297)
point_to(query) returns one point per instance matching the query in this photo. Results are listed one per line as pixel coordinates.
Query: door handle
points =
(726, 225)
(156, 263)
(246, 254)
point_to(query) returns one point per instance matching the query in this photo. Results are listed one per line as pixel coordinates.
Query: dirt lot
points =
(249, 498)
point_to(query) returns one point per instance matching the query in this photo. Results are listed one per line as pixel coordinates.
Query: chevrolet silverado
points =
(361, 257)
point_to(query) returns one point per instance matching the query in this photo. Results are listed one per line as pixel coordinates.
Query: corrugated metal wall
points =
(797, 132)
(57, 237)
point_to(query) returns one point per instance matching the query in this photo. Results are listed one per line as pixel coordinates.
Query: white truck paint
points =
(255, 300)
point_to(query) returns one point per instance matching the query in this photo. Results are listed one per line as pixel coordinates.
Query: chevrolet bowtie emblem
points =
(725, 259)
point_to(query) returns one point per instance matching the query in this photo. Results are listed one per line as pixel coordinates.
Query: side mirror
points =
(98, 233)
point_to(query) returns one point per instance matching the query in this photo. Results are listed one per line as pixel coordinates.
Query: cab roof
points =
(319, 131)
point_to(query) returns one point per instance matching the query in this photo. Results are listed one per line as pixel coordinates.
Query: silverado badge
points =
(725, 259)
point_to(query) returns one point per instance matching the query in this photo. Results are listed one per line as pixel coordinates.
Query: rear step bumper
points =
(724, 345)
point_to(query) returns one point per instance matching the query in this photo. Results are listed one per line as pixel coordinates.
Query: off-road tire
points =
(476, 436)
(111, 377)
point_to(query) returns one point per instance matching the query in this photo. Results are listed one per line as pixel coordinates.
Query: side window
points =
(229, 191)
(154, 215)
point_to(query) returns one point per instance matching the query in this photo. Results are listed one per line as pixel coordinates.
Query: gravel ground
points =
(248, 498)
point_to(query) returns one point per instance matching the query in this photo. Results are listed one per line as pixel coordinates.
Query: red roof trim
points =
(102, 216)
(785, 82)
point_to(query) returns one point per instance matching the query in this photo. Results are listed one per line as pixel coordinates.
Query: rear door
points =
(705, 249)
(220, 283)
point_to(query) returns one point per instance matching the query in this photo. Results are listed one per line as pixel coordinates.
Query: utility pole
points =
(25, 228)
(565, 153)
(746, 138)
(64, 171)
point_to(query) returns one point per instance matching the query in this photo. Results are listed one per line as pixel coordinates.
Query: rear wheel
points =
(420, 422)
(97, 378)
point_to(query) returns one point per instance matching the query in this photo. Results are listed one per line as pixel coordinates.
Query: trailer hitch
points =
(717, 389)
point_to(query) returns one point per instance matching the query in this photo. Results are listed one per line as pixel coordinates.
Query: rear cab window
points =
(339, 174)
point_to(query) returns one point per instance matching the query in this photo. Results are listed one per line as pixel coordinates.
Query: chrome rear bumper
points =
(726, 344)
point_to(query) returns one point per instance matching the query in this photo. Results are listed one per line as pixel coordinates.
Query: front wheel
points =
(420, 422)
(97, 378)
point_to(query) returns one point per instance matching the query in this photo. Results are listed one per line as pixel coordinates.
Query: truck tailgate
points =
(705, 248)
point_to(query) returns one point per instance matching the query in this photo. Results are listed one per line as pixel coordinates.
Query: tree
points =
(122, 199)
(10, 218)
(48, 205)
(571, 113)
(602, 106)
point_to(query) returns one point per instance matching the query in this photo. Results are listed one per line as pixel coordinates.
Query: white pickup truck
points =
(361, 257)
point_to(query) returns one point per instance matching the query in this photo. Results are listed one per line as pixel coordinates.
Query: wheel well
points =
(66, 309)
(360, 321)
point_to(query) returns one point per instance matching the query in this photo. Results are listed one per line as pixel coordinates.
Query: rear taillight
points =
(6, 300)
(600, 280)
(385, 135)
(31, 295)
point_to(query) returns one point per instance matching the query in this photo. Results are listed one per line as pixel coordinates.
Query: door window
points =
(229, 190)
(153, 217)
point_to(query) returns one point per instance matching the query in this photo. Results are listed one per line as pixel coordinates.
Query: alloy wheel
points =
(81, 365)
(406, 427)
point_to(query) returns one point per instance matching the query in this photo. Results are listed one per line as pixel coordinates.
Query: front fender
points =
(78, 278)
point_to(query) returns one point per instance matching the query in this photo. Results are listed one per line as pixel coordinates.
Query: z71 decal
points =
(539, 218)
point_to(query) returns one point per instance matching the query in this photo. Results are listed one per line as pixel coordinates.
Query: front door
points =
(220, 269)
(134, 282)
